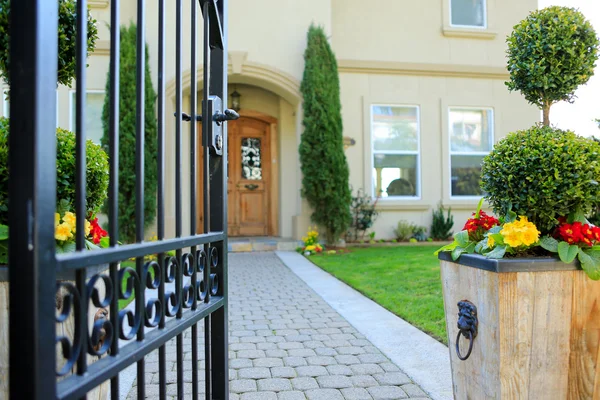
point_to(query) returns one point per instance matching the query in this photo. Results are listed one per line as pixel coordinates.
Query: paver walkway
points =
(287, 343)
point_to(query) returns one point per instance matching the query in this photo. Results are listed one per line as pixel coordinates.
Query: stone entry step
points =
(262, 243)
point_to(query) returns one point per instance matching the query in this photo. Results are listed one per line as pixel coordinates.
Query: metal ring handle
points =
(458, 346)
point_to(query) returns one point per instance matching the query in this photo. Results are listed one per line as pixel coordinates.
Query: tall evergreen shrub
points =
(323, 162)
(127, 133)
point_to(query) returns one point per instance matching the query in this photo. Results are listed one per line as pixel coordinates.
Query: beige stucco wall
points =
(388, 52)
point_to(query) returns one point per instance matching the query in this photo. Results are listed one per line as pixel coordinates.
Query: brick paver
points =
(287, 343)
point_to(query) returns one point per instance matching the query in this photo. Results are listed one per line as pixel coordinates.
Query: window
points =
(471, 138)
(468, 13)
(395, 144)
(94, 102)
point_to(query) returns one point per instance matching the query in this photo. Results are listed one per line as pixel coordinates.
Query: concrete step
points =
(251, 244)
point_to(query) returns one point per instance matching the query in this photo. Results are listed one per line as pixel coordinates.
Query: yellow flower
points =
(70, 220)
(63, 232)
(520, 233)
(87, 227)
(56, 219)
(309, 248)
(491, 242)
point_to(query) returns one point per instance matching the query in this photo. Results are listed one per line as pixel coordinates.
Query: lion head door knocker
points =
(467, 326)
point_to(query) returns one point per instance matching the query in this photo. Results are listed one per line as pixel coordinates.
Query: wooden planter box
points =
(66, 328)
(538, 330)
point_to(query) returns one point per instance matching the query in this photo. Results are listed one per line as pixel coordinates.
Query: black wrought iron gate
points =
(199, 268)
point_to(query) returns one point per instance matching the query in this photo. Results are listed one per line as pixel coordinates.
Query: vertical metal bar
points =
(218, 221)
(194, 186)
(162, 359)
(139, 187)
(80, 176)
(32, 194)
(178, 187)
(113, 190)
(206, 134)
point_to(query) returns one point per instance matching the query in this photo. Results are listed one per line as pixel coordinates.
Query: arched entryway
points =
(253, 181)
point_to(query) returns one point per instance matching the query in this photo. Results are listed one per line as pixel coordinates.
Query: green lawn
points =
(403, 279)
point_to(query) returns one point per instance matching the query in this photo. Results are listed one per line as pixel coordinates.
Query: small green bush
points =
(420, 233)
(550, 53)
(441, 227)
(542, 173)
(364, 214)
(67, 44)
(96, 172)
(404, 230)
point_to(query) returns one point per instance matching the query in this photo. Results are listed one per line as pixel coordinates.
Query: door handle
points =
(251, 186)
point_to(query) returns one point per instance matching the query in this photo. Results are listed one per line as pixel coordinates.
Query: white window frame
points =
(72, 101)
(417, 152)
(485, 19)
(466, 153)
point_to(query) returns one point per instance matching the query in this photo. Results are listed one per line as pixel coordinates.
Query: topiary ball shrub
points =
(67, 44)
(550, 53)
(543, 173)
(96, 172)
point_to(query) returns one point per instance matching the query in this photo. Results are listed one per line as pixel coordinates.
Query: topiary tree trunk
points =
(323, 162)
(127, 133)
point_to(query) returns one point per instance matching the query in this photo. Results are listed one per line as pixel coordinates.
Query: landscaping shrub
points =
(96, 172)
(550, 53)
(441, 226)
(419, 233)
(323, 162)
(127, 137)
(67, 43)
(542, 173)
(362, 210)
(404, 230)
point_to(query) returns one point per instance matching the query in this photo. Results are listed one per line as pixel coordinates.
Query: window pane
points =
(395, 128)
(467, 12)
(395, 175)
(471, 130)
(466, 175)
(94, 102)
(251, 159)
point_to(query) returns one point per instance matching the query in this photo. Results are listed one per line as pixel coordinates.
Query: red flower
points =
(478, 226)
(577, 233)
(96, 231)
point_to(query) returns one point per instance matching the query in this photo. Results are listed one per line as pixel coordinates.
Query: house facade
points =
(422, 91)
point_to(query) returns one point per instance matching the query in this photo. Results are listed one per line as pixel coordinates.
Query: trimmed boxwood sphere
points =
(96, 172)
(67, 44)
(543, 173)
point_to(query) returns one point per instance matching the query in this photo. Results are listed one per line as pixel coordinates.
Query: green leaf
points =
(91, 246)
(549, 243)
(495, 229)
(457, 252)
(479, 208)
(481, 246)
(3, 232)
(511, 216)
(69, 247)
(577, 216)
(105, 242)
(448, 247)
(497, 252)
(470, 248)
(498, 238)
(567, 252)
(590, 262)
(462, 238)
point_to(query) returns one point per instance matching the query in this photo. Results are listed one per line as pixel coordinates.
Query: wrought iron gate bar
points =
(83, 259)
(105, 368)
(113, 189)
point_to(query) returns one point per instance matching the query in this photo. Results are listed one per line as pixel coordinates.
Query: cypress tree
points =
(127, 134)
(323, 162)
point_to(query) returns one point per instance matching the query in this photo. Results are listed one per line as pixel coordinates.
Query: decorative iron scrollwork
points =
(467, 326)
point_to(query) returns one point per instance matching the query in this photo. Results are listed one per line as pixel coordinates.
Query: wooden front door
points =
(249, 178)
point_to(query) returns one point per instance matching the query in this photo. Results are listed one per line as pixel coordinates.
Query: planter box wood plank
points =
(538, 334)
